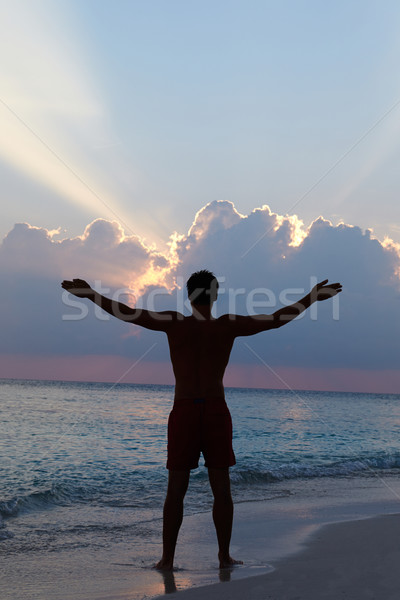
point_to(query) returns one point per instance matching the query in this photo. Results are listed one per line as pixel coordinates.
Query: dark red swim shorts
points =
(198, 425)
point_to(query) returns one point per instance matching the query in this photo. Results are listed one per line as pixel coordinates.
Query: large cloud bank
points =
(268, 250)
(256, 258)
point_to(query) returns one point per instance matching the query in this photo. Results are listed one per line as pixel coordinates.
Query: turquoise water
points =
(83, 464)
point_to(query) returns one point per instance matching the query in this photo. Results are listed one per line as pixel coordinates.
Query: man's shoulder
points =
(171, 315)
(227, 322)
(228, 317)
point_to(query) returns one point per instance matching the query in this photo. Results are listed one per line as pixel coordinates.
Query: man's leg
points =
(222, 514)
(178, 482)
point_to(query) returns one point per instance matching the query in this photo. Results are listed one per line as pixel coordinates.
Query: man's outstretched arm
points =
(145, 318)
(250, 325)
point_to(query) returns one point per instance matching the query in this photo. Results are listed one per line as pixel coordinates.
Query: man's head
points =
(202, 288)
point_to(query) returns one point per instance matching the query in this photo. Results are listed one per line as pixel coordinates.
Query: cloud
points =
(32, 265)
(263, 260)
(266, 250)
(103, 251)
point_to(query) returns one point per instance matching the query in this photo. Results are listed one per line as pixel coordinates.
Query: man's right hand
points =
(78, 287)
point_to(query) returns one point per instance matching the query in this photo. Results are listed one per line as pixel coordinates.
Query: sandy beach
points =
(354, 560)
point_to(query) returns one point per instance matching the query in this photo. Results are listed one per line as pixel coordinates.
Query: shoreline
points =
(274, 537)
(352, 559)
(271, 535)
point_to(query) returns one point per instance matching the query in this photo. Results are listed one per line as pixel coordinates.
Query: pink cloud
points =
(123, 370)
(85, 368)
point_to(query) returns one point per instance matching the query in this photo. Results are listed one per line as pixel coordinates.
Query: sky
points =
(144, 140)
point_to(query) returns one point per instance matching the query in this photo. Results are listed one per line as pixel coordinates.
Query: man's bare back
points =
(200, 351)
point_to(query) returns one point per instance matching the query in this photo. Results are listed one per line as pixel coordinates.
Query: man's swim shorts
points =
(198, 425)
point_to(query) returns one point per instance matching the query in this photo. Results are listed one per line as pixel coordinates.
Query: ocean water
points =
(82, 465)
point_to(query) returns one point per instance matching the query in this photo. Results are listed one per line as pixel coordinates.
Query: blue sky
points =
(162, 107)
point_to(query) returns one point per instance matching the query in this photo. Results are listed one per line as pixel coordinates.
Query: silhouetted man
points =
(200, 421)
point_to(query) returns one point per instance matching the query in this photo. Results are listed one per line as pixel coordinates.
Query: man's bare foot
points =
(164, 565)
(225, 562)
